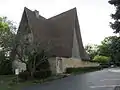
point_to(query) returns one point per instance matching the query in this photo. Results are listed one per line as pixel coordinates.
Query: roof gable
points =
(59, 29)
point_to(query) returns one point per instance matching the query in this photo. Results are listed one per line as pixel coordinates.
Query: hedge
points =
(82, 69)
(38, 74)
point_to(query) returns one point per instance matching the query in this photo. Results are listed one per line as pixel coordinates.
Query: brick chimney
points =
(37, 13)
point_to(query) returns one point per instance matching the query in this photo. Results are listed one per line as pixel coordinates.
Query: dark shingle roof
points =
(58, 29)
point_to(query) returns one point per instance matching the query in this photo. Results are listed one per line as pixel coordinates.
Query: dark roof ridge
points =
(73, 9)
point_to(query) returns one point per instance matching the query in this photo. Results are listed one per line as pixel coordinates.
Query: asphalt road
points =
(106, 79)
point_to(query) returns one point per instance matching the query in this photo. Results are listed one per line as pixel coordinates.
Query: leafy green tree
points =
(7, 34)
(110, 47)
(115, 50)
(104, 49)
(116, 16)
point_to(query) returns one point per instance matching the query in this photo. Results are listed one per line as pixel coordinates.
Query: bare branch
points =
(41, 61)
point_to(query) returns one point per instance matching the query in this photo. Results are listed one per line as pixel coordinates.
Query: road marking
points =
(113, 70)
(104, 86)
(110, 79)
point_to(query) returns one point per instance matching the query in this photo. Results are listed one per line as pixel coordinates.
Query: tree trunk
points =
(32, 74)
(31, 70)
(33, 67)
(27, 67)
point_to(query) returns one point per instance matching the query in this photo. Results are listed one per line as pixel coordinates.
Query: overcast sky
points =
(94, 15)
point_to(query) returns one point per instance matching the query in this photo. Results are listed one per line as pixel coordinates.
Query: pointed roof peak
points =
(68, 11)
(26, 9)
(71, 10)
(74, 10)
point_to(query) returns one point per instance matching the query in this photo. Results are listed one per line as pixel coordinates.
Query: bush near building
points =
(101, 59)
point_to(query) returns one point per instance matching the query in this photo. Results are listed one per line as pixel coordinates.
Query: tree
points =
(91, 50)
(7, 34)
(32, 55)
(116, 16)
(115, 50)
(104, 49)
(110, 47)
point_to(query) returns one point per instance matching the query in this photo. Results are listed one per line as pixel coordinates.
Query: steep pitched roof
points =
(62, 14)
(58, 29)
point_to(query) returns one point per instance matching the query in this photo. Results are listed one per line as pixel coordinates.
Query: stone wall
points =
(72, 62)
(60, 66)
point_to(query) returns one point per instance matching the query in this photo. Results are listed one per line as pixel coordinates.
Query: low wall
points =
(72, 62)
(59, 66)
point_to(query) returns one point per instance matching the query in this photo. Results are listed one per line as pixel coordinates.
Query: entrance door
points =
(59, 65)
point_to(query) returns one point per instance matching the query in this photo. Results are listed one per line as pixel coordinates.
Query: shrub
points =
(24, 75)
(101, 59)
(6, 67)
(5, 64)
(38, 75)
(42, 74)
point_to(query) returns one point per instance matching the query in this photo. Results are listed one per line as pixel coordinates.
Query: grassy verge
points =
(8, 82)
